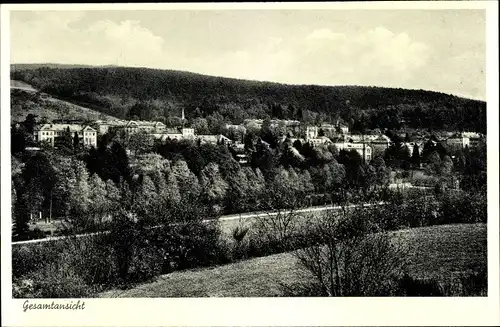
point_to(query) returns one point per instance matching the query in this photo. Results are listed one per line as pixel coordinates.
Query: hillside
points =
(25, 100)
(439, 252)
(161, 93)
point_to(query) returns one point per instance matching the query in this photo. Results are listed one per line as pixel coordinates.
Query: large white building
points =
(365, 151)
(50, 132)
(174, 134)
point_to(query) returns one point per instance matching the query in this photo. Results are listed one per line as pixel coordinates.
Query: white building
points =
(253, 123)
(360, 148)
(213, 139)
(343, 129)
(322, 140)
(144, 126)
(311, 132)
(458, 141)
(50, 132)
(103, 126)
(175, 134)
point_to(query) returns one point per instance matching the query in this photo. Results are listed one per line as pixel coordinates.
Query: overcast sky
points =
(440, 50)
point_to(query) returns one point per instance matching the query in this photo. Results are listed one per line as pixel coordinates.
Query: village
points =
(253, 153)
(325, 134)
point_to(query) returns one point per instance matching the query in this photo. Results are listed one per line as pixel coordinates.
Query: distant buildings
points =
(411, 146)
(50, 132)
(465, 139)
(144, 126)
(173, 134)
(364, 150)
(311, 132)
(213, 139)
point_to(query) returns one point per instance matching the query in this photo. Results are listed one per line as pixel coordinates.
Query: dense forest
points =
(159, 94)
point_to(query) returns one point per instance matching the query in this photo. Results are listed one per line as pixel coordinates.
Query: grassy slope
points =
(23, 103)
(437, 251)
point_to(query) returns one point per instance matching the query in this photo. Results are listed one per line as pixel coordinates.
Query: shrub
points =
(239, 233)
(147, 263)
(348, 259)
(472, 284)
(93, 258)
(191, 245)
(463, 207)
(54, 281)
(409, 286)
(32, 257)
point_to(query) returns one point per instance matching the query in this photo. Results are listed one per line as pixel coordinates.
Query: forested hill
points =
(159, 94)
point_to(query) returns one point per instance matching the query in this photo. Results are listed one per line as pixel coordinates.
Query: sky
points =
(439, 50)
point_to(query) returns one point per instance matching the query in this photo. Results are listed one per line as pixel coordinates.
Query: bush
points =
(463, 207)
(33, 257)
(348, 258)
(473, 284)
(147, 263)
(55, 279)
(56, 282)
(409, 286)
(191, 245)
(93, 258)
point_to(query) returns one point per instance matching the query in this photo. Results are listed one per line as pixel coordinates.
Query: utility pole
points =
(50, 208)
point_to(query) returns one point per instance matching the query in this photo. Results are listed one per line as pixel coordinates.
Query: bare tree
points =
(348, 256)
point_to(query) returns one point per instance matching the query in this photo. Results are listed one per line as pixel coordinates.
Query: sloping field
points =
(21, 85)
(437, 251)
(24, 101)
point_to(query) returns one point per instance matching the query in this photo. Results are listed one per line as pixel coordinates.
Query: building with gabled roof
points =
(49, 132)
(364, 150)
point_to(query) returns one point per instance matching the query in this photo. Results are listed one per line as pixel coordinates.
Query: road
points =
(227, 222)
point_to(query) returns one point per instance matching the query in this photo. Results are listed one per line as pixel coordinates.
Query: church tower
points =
(183, 117)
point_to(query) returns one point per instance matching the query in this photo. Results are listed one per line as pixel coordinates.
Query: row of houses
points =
(50, 132)
(292, 126)
(88, 134)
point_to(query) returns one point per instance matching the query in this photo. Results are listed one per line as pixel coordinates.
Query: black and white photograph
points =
(261, 152)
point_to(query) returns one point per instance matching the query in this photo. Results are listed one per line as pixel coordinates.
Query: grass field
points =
(23, 103)
(437, 251)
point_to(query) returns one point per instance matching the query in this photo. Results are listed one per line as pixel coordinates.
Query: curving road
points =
(227, 222)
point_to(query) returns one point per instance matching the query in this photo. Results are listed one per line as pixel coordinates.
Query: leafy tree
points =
(474, 175)
(17, 140)
(140, 143)
(76, 141)
(146, 198)
(118, 159)
(29, 123)
(415, 156)
(265, 159)
(397, 155)
(290, 157)
(433, 166)
(65, 141)
(213, 186)
(99, 205)
(200, 126)
(382, 173)
(39, 179)
(187, 181)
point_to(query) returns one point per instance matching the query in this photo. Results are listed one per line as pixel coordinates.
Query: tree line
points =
(161, 94)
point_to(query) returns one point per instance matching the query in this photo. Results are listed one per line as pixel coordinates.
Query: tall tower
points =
(183, 117)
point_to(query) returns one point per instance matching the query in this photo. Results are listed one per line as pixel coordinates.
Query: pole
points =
(50, 208)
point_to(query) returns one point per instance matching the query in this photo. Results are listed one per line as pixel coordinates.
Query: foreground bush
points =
(350, 257)
(463, 207)
(346, 250)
